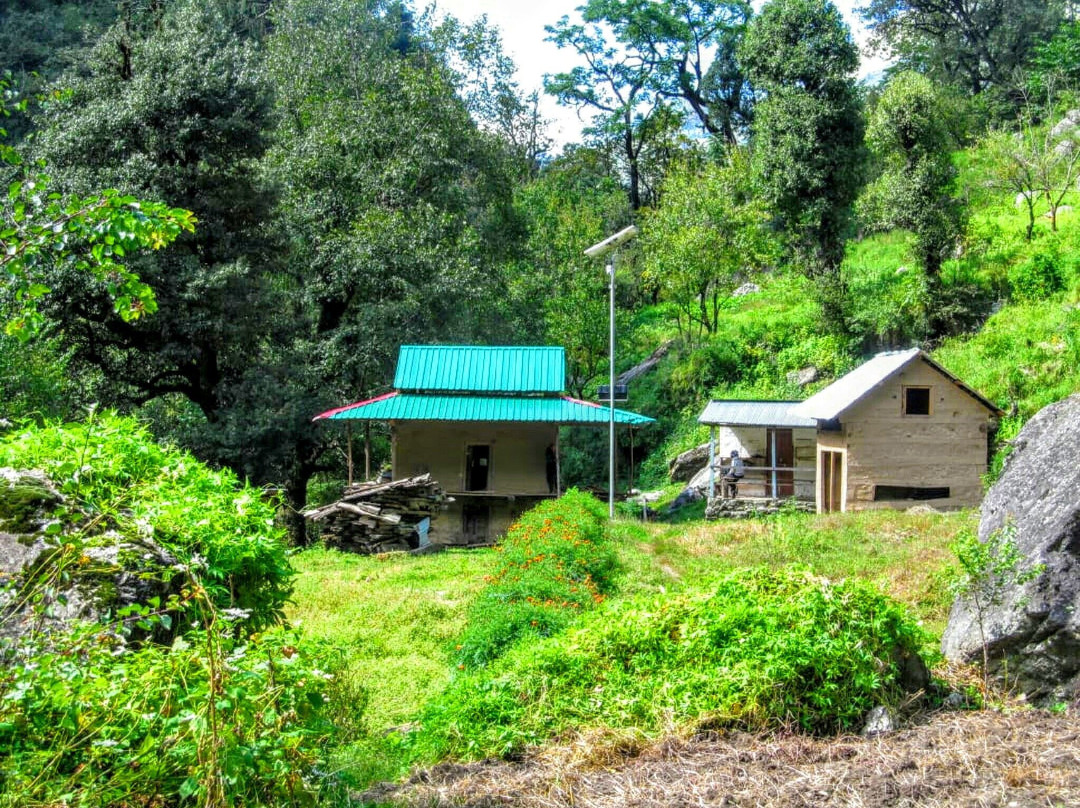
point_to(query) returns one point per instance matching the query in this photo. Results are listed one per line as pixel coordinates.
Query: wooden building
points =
(897, 429)
(484, 422)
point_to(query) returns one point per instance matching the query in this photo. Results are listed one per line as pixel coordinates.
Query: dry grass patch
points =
(975, 760)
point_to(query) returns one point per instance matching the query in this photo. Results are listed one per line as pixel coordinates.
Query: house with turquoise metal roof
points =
(484, 422)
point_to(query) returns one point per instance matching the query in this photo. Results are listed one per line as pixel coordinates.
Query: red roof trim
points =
(579, 401)
(336, 410)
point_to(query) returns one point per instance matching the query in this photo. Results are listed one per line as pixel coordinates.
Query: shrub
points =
(757, 649)
(115, 475)
(214, 719)
(1038, 277)
(555, 562)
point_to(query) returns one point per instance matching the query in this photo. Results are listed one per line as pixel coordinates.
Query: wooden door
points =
(832, 481)
(474, 523)
(781, 453)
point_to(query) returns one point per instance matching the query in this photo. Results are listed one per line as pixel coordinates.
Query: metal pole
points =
(611, 390)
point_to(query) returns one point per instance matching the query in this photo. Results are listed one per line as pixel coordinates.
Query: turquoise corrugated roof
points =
(413, 407)
(481, 369)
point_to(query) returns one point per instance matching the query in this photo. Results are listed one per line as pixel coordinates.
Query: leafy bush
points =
(757, 649)
(1038, 277)
(86, 721)
(116, 475)
(555, 562)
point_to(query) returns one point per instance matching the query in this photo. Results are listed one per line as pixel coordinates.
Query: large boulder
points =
(1033, 632)
(683, 468)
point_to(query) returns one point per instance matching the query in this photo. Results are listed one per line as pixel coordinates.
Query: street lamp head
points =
(602, 248)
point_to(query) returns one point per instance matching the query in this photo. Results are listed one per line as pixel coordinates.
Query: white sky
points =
(522, 24)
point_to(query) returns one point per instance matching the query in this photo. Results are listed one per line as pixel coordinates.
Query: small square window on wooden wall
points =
(916, 401)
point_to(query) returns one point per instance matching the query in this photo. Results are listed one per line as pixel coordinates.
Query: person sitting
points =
(730, 481)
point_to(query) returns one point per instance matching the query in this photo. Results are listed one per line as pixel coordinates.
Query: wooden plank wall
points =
(946, 448)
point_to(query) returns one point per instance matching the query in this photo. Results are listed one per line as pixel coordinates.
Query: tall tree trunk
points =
(295, 499)
(631, 156)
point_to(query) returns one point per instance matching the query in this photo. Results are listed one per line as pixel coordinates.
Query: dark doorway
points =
(474, 523)
(781, 453)
(477, 467)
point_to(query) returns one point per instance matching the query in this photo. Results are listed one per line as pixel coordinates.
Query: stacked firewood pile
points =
(379, 517)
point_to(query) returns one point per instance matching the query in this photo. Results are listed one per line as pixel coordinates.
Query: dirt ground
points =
(1019, 759)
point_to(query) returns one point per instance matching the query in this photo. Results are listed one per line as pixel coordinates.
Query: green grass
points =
(395, 617)
(398, 619)
(754, 649)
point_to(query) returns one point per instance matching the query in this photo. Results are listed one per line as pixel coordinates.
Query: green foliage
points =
(116, 474)
(756, 649)
(1025, 357)
(707, 237)
(575, 202)
(1041, 275)
(975, 45)
(909, 132)
(555, 561)
(647, 65)
(808, 131)
(44, 233)
(887, 302)
(987, 571)
(1056, 61)
(217, 718)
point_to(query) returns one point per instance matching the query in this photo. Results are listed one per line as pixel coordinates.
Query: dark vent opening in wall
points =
(916, 401)
(891, 492)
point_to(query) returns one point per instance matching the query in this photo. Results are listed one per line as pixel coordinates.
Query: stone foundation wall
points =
(719, 508)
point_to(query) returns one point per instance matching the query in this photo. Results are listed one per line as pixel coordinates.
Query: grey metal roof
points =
(827, 404)
(754, 413)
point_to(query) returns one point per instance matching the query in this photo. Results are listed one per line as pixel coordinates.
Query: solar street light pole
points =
(611, 245)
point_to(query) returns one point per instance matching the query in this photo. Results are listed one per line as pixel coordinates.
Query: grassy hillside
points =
(399, 619)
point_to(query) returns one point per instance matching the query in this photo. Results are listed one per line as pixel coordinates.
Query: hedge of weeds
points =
(755, 650)
(556, 562)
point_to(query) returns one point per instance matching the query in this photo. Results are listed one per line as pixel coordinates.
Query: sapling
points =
(987, 569)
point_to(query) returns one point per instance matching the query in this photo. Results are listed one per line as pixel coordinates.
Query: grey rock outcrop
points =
(746, 289)
(1033, 634)
(110, 572)
(683, 468)
(803, 377)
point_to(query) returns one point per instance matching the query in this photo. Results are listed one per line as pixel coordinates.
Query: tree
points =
(617, 82)
(694, 44)
(909, 133)
(180, 115)
(396, 209)
(808, 129)
(646, 63)
(709, 233)
(484, 76)
(977, 44)
(1037, 158)
(44, 234)
(575, 202)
